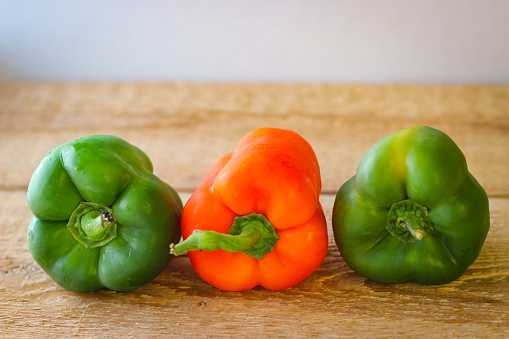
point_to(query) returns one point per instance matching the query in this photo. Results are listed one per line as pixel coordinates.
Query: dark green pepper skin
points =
(424, 174)
(112, 174)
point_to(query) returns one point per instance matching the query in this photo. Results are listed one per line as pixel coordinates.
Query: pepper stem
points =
(92, 225)
(94, 228)
(413, 227)
(251, 234)
(408, 221)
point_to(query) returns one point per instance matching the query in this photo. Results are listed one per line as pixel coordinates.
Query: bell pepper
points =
(413, 211)
(102, 219)
(256, 218)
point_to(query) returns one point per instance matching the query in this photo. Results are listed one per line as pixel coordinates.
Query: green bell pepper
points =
(102, 219)
(413, 212)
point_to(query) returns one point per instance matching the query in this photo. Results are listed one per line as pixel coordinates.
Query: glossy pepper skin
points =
(413, 212)
(102, 219)
(273, 173)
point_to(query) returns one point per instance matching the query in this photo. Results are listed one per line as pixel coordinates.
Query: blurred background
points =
(367, 41)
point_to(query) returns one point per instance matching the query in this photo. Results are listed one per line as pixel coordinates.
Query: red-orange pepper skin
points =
(273, 172)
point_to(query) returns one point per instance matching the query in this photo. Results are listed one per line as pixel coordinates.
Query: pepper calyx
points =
(92, 225)
(408, 221)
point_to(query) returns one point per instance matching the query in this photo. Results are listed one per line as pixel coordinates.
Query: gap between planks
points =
(188, 190)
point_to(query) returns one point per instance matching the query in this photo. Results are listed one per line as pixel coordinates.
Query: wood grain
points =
(184, 128)
(333, 301)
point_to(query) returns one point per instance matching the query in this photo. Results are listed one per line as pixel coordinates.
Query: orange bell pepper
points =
(256, 219)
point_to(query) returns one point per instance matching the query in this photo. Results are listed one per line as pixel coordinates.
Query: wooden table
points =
(184, 128)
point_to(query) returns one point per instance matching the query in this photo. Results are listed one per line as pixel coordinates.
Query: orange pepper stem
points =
(250, 234)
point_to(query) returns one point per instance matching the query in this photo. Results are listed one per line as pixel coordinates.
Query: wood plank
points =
(184, 128)
(332, 302)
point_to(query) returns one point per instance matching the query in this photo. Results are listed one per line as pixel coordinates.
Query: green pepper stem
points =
(252, 235)
(92, 225)
(94, 228)
(413, 227)
(408, 221)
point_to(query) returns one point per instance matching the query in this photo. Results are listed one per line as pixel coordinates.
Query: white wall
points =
(435, 41)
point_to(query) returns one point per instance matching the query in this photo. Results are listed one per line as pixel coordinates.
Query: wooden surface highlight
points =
(184, 128)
